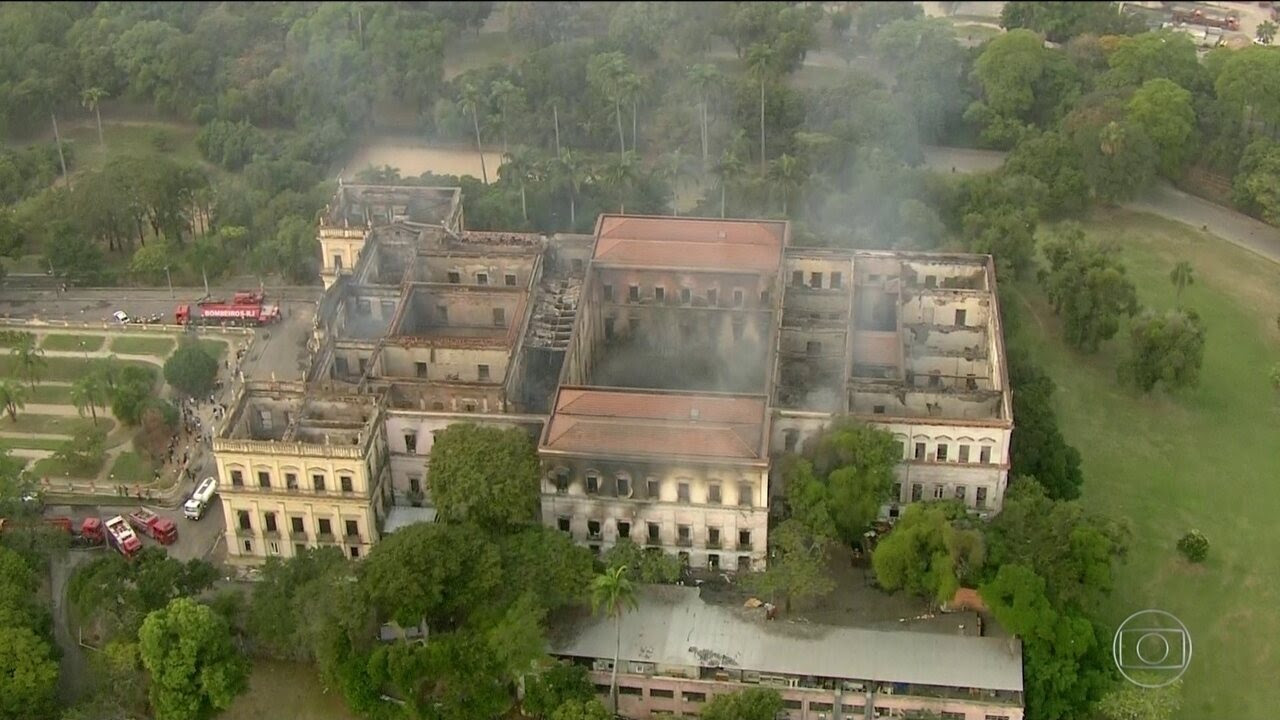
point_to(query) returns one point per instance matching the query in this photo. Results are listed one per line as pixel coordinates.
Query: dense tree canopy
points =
(932, 551)
(750, 704)
(1061, 21)
(193, 664)
(484, 474)
(1088, 287)
(191, 370)
(1165, 349)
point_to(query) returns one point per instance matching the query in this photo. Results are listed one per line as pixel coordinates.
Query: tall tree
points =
(930, 553)
(508, 98)
(613, 594)
(29, 358)
(471, 100)
(788, 173)
(520, 165)
(1165, 111)
(1181, 276)
(62, 159)
(675, 169)
(13, 397)
(705, 78)
(28, 674)
(797, 568)
(749, 704)
(762, 63)
(620, 175)
(1165, 349)
(91, 98)
(728, 170)
(87, 392)
(194, 666)
(1088, 287)
(484, 474)
(608, 73)
(1266, 32)
(191, 369)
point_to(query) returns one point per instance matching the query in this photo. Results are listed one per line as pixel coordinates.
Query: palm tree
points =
(675, 168)
(619, 175)
(91, 98)
(13, 397)
(729, 169)
(569, 173)
(108, 370)
(607, 72)
(788, 173)
(29, 358)
(704, 77)
(87, 392)
(613, 593)
(1266, 32)
(1111, 139)
(1182, 276)
(520, 167)
(629, 86)
(470, 101)
(62, 159)
(760, 62)
(506, 96)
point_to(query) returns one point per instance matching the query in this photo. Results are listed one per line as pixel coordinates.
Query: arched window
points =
(593, 482)
(622, 480)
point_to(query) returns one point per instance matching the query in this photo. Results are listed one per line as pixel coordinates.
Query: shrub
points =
(1194, 546)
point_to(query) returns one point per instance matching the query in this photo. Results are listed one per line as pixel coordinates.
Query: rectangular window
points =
(291, 481)
(792, 704)
(813, 347)
(764, 298)
(264, 479)
(633, 293)
(980, 499)
(684, 534)
(317, 481)
(482, 371)
(744, 563)
(608, 293)
(939, 491)
(482, 278)
(563, 523)
(622, 484)
(960, 318)
(411, 443)
(682, 492)
(499, 317)
(248, 544)
(442, 314)
(789, 440)
(269, 521)
(917, 492)
(712, 296)
(964, 453)
(633, 324)
(624, 529)
(737, 297)
(984, 455)
(836, 280)
(744, 495)
(355, 553)
(352, 527)
(897, 491)
(455, 277)
(659, 293)
(420, 369)
(593, 483)
(877, 409)
(295, 524)
(797, 278)
(820, 707)
(713, 537)
(324, 526)
(693, 696)
(849, 710)
(593, 529)
(686, 296)
(960, 492)
(345, 480)
(653, 488)
(628, 690)
(947, 715)
(815, 280)
(942, 452)
(509, 279)
(654, 532)
(415, 485)
(744, 539)
(655, 693)
(713, 494)
(242, 517)
(608, 328)
(337, 265)
(919, 451)
(931, 281)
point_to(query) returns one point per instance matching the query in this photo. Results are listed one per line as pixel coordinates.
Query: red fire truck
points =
(245, 308)
(153, 526)
(121, 537)
(1206, 16)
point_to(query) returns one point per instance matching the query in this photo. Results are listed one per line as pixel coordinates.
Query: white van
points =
(194, 507)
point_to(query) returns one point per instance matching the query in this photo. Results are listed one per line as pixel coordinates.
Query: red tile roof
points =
(690, 242)
(616, 422)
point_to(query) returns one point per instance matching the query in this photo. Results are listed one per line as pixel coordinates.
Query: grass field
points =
(130, 467)
(73, 342)
(8, 443)
(135, 345)
(49, 394)
(60, 369)
(216, 348)
(52, 467)
(59, 424)
(1206, 458)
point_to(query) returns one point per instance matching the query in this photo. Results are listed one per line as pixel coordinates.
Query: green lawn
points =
(1207, 458)
(73, 342)
(130, 467)
(216, 348)
(49, 394)
(131, 140)
(64, 425)
(51, 467)
(8, 443)
(59, 369)
(137, 345)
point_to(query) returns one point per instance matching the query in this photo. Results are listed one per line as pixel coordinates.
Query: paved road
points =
(1160, 199)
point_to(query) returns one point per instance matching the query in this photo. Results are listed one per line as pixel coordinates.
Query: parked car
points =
(121, 316)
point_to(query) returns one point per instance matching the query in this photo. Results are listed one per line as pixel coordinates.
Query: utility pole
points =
(170, 279)
(205, 275)
(61, 159)
(555, 114)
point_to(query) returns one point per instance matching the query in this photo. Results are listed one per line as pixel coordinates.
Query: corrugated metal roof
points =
(690, 242)
(657, 424)
(673, 626)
